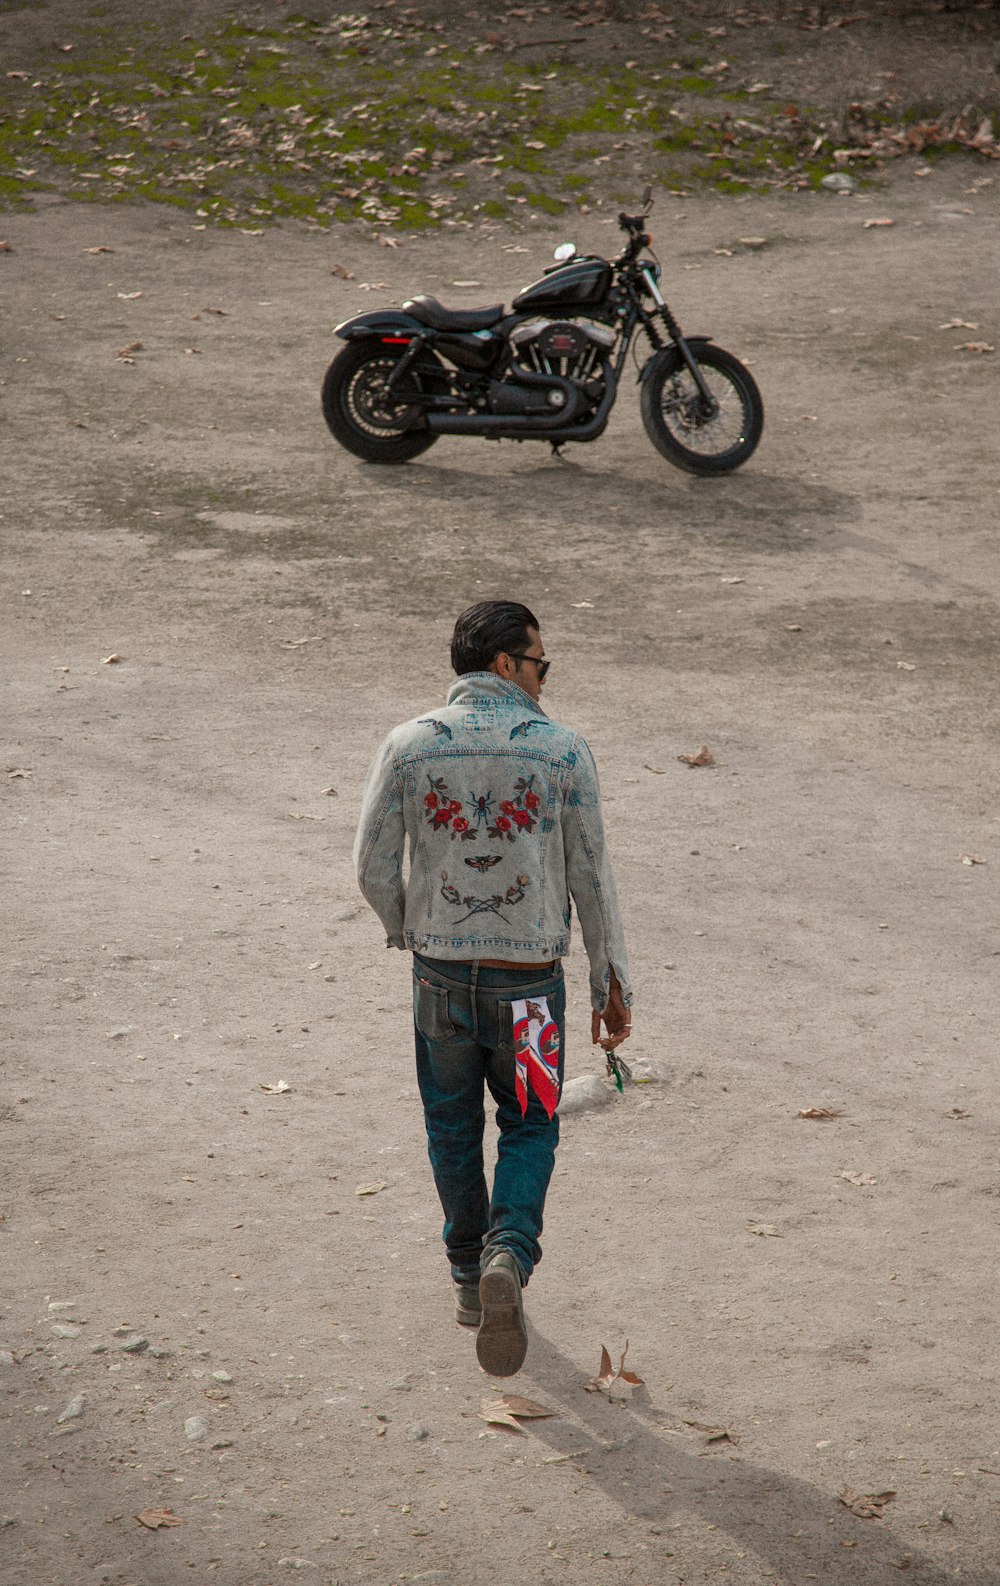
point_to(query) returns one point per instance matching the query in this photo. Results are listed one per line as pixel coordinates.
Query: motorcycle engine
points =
(574, 349)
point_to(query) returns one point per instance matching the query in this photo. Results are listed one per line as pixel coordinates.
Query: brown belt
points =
(503, 963)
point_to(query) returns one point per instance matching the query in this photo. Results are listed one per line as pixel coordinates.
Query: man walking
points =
(500, 810)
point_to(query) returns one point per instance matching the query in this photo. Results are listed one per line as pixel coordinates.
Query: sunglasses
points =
(541, 664)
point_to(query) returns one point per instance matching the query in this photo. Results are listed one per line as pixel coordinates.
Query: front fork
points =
(677, 337)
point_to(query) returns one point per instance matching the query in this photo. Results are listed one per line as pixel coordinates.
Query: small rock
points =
(135, 1346)
(221, 1376)
(646, 1072)
(6, 1357)
(416, 1433)
(161, 1354)
(123, 1332)
(62, 1305)
(226, 1442)
(583, 1095)
(73, 1410)
(65, 1330)
(401, 1385)
(195, 1429)
(839, 182)
(99, 1349)
(296, 1563)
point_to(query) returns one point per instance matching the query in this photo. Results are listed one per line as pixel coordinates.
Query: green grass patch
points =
(323, 117)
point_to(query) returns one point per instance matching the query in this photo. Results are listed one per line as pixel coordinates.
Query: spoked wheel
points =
(373, 422)
(711, 437)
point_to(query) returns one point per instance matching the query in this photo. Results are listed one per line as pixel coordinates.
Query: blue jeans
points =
(464, 1038)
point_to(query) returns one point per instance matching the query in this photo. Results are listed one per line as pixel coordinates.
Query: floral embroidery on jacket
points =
(517, 814)
(492, 905)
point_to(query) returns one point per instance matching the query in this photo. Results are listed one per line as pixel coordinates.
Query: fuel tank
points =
(583, 281)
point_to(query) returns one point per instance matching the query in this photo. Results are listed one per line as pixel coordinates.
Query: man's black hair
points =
(489, 629)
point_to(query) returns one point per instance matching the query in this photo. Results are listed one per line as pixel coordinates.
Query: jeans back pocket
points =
(431, 1014)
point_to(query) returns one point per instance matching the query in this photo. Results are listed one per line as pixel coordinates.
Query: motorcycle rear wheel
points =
(373, 424)
(674, 413)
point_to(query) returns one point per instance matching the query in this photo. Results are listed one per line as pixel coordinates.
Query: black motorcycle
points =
(547, 371)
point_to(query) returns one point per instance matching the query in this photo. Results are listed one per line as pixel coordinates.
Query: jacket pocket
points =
(430, 1011)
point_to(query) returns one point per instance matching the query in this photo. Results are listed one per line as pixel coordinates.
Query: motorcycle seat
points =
(434, 314)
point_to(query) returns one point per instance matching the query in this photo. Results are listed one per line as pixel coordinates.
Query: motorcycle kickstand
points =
(557, 450)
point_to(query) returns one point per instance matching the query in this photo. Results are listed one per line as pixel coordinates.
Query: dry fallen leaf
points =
(867, 1505)
(958, 1112)
(5, 247)
(656, 770)
(373, 1188)
(16, 771)
(959, 324)
(616, 1384)
(527, 1409)
(764, 1230)
(280, 1089)
(703, 757)
(820, 1114)
(345, 275)
(869, 223)
(905, 666)
(858, 1178)
(126, 352)
(509, 1409)
(152, 1519)
(713, 1434)
(972, 859)
(99, 249)
(111, 660)
(975, 346)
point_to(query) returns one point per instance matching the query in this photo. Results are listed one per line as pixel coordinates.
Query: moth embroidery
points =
(483, 862)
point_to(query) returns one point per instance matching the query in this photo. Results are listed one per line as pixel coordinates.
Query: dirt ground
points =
(211, 615)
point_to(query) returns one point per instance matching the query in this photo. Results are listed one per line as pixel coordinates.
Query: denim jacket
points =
(501, 811)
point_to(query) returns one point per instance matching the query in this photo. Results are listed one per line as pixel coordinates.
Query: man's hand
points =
(616, 1018)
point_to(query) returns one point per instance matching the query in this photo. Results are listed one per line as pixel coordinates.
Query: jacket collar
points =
(486, 688)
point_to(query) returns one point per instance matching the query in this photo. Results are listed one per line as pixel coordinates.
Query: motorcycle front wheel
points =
(703, 437)
(378, 425)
